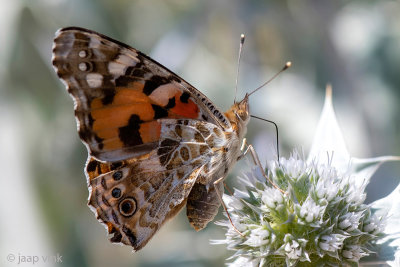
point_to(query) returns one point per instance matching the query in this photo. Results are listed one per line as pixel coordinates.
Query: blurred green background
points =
(354, 45)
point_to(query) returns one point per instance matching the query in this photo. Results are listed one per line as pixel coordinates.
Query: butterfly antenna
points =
(238, 64)
(287, 65)
(277, 133)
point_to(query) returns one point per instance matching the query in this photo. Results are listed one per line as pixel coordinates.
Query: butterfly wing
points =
(134, 198)
(120, 93)
(150, 134)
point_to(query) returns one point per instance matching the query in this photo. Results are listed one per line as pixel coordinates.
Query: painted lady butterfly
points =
(155, 143)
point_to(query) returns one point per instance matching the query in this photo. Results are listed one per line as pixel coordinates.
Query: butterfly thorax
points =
(238, 116)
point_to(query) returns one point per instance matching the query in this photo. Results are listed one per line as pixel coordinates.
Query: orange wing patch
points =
(95, 168)
(178, 104)
(129, 117)
(184, 107)
(130, 112)
(150, 131)
(117, 116)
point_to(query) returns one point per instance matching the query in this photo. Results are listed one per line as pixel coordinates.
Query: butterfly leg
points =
(256, 160)
(227, 188)
(223, 204)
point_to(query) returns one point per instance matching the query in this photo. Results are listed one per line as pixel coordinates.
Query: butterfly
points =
(155, 142)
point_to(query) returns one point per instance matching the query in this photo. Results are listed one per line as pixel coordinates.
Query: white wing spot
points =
(119, 66)
(94, 80)
(163, 93)
(82, 53)
(116, 69)
(94, 42)
(82, 66)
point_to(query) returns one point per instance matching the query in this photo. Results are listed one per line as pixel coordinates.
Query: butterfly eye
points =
(127, 207)
(242, 115)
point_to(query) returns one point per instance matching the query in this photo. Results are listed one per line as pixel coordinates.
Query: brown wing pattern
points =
(120, 94)
(134, 197)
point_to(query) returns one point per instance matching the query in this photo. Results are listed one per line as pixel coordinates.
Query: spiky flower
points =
(313, 214)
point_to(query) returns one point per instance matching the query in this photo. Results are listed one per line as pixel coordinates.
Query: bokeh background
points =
(354, 45)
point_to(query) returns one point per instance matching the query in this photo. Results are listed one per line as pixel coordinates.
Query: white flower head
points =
(309, 211)
(272, 198)
(353, 253)
(314, 213)
(327, 188)
(331, 243)
(373, 224)
(294, 248)
(349, 221)
(259, 237)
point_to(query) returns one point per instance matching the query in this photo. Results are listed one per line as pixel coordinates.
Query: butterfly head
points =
(239, 116)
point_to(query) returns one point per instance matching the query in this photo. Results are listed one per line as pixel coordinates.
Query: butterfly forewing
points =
(120, 93)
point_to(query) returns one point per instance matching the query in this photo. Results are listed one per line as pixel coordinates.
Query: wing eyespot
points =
(83, 66)
(116, 192)
(117, 175)
(127, 207)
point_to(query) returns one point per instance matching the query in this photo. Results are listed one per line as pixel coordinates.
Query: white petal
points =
(390, 205)
(329, 139)
(396, 262)
(365, 168)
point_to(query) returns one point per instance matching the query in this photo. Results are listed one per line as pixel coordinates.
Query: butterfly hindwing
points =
(135, 197)
(120, 94)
